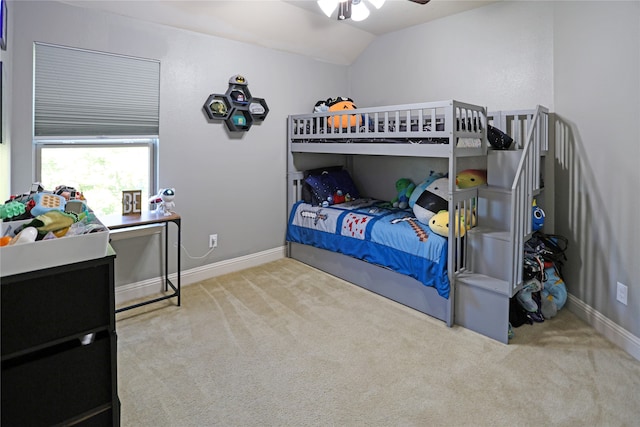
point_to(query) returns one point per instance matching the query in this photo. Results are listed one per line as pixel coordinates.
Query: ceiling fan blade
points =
(420, 1)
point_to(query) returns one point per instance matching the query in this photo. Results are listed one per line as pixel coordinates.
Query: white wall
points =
(499, 56)
(7, 90)
(230, 184)
(580, 59)
(597, 99)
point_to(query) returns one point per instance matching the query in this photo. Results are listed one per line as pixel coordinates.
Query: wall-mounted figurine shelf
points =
(236, 107)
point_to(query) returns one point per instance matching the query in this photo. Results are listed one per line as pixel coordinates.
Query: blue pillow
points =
(327, 183)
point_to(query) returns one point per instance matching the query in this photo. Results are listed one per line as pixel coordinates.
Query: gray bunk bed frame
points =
(445, 129)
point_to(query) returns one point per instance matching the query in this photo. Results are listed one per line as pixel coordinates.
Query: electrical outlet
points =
(621, 294)
(213, 240)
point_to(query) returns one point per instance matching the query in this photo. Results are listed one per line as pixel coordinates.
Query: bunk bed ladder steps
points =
(482, 305)
(482, 295)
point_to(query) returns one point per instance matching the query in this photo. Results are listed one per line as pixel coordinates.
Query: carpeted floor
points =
(284, 344)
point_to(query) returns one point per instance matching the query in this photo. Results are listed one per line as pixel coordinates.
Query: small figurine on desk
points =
(165, 197)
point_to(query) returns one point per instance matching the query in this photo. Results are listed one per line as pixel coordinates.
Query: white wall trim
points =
(153, 286)
(607, 327)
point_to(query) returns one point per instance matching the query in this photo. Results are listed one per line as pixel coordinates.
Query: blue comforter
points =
(388, 237)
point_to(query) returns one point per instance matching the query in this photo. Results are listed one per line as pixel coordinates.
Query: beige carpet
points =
(284, 344)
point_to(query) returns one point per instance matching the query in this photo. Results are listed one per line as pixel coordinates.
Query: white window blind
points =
(81, 93)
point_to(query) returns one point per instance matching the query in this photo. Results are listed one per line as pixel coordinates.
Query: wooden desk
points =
(119, 222)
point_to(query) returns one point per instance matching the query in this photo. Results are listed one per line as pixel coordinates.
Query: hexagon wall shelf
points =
(236, 106)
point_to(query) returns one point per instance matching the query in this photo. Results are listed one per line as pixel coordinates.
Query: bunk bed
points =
(445, 286)
(449, 130)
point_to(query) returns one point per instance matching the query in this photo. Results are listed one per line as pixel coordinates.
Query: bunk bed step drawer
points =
(482, 306)
(485, 282)
(502, 166)
(494, 207)
(490, 252)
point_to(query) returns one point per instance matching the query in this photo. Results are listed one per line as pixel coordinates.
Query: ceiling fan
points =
(354, 9)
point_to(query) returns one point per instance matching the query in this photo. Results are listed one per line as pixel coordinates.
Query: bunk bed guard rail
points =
(526, 185)
(421, 123)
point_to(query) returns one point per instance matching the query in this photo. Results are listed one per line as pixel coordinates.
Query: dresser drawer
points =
(42, 307)
(60, 383)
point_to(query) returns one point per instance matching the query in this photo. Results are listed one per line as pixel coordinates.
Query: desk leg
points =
(167, 281)
(178, 223)
(166, 256)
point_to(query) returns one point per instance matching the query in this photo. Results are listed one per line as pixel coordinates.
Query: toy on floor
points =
(404, 188)
(165, 199)
(554, 293)
(529, 299)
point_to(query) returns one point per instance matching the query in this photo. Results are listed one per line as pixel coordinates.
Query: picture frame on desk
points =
(3, 24)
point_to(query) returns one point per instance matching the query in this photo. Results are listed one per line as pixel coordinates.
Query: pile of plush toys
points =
(429, 199)
(48, 215)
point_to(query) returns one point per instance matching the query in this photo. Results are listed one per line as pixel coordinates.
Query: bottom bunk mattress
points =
(367, 230)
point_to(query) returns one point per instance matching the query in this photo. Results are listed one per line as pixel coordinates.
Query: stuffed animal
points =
(554, 291)
(439, 223)
(12, 209)
(423, 186)
(338, 197)
(537, 216)
(404, 188)
(45, 202)
(340, 104)
(470, 178)
(432, 200)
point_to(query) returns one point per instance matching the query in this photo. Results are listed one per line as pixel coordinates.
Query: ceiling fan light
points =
(377, 3)
(328, 6)
(344, 10)
(359, 11)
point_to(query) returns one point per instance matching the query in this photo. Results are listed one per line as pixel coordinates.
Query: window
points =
(95, 123)
(99, 170)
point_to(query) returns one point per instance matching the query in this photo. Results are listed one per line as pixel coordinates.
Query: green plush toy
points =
(12, 209)
(404, 188)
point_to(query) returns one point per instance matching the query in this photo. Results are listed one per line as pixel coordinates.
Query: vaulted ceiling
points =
(297, 26)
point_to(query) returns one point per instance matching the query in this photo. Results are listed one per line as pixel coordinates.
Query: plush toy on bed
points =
(339, 103)
(439, 223)
(404, 188)
(432, 199)
(470, 178)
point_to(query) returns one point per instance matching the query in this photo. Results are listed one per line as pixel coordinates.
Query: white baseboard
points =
(154, 286)
(608, 328)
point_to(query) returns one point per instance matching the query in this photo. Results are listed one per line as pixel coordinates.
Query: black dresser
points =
(59, 346)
